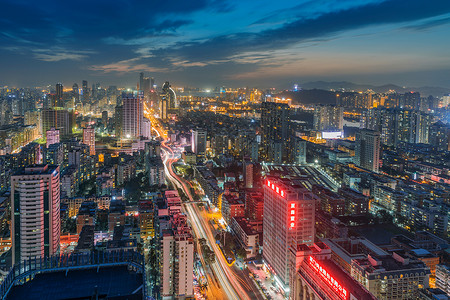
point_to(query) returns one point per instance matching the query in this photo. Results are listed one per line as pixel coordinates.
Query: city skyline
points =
(213, 43)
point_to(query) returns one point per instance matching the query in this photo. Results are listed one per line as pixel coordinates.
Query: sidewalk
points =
(264, 280)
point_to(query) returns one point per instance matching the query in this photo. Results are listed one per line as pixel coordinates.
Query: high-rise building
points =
(299, 151)
(89, 139)
(75, 93)
(133, 114)
(169, 94)
(289, 212)
(248, 173)
(367, 149)
(439, 136)
(177, 252)
(275, 123)
(52, 136)
(85, 90)
(59, 119)
(118, 121)
(329, 118)
(59, 95)
(35, 205)
(198, 142)
(146, 131)
(163, 106)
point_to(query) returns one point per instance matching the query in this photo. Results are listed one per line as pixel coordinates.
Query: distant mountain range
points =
(349, 86)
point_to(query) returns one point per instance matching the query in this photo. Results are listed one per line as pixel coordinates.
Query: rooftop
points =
(107, 283)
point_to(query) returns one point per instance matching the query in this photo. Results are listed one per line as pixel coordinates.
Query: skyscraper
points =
(35, 205)
(89, 139)
(133, 114)
(85, 91)
(59, 95)
(367, 149)
(289, 212)
(163, 106)
(198, 142)
(75, 93)
(52, 136)
(275, 123)
(118, 121)
(169, 94)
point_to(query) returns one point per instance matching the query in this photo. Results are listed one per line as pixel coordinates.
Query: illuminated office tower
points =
(367, 149)
(35, 205)
(289, 212)
(275, 123)
(52, 136)
(133, 114)
(163, 106)
(198, 142)
(89, 139)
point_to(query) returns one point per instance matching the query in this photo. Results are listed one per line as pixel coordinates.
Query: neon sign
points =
(292, 215)
(276, 188)
(331, 282)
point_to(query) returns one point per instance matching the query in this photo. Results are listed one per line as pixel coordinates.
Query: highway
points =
(226, 282)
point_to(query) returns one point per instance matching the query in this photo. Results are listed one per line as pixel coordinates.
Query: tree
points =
(241, 253)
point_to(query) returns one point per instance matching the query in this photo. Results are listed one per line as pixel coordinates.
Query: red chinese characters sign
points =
(330, 281)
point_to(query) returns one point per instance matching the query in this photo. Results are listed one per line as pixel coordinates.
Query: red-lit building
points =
(254, 205)
(315, 276)
(289, 212)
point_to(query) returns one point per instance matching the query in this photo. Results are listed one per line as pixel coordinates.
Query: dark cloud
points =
(100, 37)
(324, 26)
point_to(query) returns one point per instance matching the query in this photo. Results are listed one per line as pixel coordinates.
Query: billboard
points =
(327, 135)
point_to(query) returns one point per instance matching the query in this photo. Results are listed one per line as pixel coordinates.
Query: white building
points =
(35, 204)
(133, 116)
(177, 257)
(52, 136)
(89, 139)
(198, 142)
(289, 212)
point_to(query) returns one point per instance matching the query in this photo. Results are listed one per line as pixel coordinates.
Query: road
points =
(225, 282)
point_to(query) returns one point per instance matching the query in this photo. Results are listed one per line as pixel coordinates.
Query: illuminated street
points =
(231, 281)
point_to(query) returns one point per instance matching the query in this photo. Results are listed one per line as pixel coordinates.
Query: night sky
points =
(207, 43)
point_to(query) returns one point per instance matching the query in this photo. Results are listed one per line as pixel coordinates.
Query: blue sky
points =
(208, 43)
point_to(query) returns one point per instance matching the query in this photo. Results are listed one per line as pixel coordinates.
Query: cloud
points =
(304, 30)
(127, 66)
(58, 54)
(429, 23)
